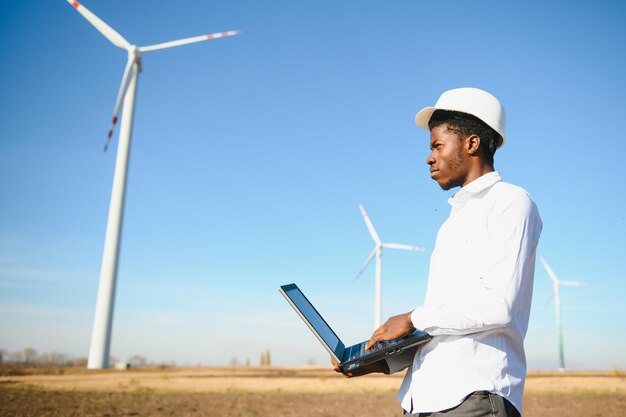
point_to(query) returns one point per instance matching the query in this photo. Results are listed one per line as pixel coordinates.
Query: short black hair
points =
(465, 125)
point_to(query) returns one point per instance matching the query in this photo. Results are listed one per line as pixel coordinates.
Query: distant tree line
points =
(265, 360)
(30, 358)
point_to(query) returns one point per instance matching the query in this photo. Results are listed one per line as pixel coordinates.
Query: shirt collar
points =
(474, 188)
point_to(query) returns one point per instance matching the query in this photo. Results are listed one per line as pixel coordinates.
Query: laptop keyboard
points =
(357, 351)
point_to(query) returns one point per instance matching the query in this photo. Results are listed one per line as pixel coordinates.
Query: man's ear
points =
(472, 143)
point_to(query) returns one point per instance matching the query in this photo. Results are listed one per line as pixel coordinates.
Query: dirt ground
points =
(275, 392)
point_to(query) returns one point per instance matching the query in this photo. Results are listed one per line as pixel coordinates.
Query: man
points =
(480, 281)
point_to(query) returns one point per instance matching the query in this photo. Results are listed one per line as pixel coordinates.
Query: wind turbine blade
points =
(369, 225)
(366, 263)
(186, 41)
(573, 283)
(549, 270)
(108, 32)
(130, 68)
(403, 247)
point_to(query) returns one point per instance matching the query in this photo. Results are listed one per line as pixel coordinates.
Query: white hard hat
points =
(473, 101)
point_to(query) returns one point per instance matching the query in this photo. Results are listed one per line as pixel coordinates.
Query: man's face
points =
(448, 158)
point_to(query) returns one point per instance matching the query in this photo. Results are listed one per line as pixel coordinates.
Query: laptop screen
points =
(314, 319)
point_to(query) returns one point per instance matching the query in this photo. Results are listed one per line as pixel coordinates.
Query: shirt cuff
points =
(418, 318)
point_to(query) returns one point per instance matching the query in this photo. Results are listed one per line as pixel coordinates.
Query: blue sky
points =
(251, 154)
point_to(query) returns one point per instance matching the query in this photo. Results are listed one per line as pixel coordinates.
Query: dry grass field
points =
(274, 391)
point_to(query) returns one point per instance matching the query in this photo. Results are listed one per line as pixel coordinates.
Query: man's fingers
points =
(373, 340)
(376, 337)
(335, 364)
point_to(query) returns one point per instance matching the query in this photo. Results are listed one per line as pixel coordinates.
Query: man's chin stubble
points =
(451, 184)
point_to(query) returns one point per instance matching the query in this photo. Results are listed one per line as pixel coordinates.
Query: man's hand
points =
(336, 367)
(395, 327)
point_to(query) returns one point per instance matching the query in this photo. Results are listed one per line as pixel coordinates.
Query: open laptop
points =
(351, 357)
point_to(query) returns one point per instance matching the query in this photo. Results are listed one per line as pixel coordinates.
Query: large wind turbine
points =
(101, 334)
(378, 253)
(556, 284)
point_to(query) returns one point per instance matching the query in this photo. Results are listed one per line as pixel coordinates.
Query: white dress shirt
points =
(477, 301)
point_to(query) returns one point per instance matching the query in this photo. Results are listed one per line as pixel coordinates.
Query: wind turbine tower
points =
(101, 333)
(556, 284)
(378, 254)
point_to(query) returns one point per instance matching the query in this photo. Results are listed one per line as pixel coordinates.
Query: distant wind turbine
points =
(101, 334)
(378, 253)
(556, 284)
